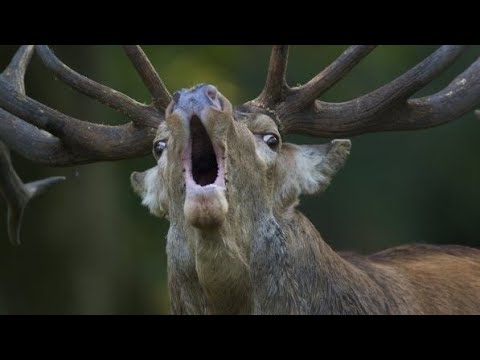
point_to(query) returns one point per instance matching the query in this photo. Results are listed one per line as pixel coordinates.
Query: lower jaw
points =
(205, 206)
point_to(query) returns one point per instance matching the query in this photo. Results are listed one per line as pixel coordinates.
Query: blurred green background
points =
(90, 248)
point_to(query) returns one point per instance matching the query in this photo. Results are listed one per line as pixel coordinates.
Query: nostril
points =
(211, 92)
(176, 96)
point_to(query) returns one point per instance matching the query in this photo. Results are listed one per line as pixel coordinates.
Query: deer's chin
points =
(206, 207)
(206, 204)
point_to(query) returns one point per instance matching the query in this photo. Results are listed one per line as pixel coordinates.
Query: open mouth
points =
(204, 159)
(203, 162)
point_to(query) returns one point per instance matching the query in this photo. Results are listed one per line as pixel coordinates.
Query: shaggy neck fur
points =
(324, 283)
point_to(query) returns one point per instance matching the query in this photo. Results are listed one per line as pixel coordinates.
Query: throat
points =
(223, 272)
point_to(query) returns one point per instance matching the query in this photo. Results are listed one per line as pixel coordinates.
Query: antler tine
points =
(150, 77)
(17, 194)
(459, 97)
(306, 94)
(15, 71)
(116, 100)
(356, 116)
(276, 83)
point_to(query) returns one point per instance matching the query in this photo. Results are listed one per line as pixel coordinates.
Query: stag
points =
(229, 185)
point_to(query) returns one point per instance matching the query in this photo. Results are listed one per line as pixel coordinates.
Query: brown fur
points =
(444, 279)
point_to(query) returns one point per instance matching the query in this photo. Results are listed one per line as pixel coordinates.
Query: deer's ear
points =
(308, 169)
(146, 184)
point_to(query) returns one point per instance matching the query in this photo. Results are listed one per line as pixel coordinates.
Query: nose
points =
(211, 92)
(196, 99)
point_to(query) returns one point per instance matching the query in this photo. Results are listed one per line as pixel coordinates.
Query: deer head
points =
(213, 161)
(225, 179)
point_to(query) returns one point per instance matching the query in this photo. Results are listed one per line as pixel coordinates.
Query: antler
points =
(44, 135)
(161, 96)
(17, 194)
(75, 141)
(386, 109)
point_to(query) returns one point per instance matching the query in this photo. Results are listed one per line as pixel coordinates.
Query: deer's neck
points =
(270, 264)
(295, 271)
(221, 262)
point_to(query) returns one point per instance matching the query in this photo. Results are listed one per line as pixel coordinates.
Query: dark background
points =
(90, 248)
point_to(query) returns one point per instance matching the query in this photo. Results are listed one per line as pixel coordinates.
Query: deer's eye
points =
(271, 140)
(158, 148)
